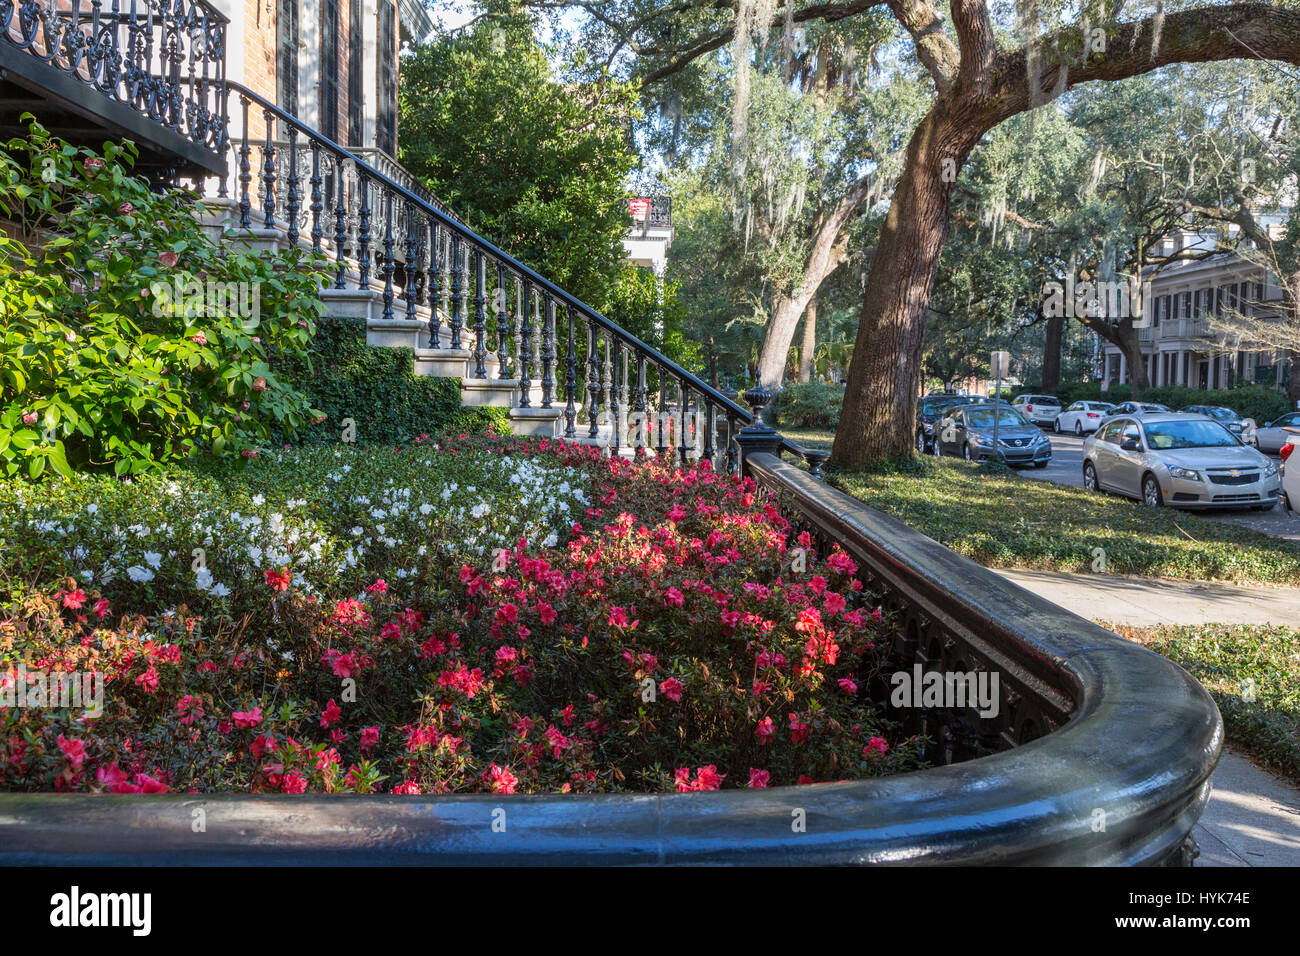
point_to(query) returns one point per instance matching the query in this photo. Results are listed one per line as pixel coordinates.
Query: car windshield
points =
(1154, 408)
(1101, 407)
(1222, 414)
(1042, 400)
(1188, 434)
(983, 417)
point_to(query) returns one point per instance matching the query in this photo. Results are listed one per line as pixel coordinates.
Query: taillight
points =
(1286, 450)
(1029, 408)
(1094, 414)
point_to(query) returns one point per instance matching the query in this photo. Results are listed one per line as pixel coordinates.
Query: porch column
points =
(1123, 367)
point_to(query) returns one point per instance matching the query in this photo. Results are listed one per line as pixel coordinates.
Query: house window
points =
(356, 74)
(387, 111)
(286, 56)
(329, 68)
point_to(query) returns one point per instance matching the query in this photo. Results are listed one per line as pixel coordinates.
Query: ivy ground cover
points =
(460, 615)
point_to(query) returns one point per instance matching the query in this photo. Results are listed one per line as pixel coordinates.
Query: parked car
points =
(1243, 428)
(1172, 458)
(1133, 408)
(1082, 417)
(1039, 409)
(1271, 437)
(930, 411)
(1290, 493)
(968, 431)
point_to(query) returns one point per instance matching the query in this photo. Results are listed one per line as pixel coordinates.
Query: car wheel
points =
(1151, 492)
(965, 452)
(1078, 428)
(937, 447)
(920, 442)
(1089, 476)
(1056, 425)
(1040, 464)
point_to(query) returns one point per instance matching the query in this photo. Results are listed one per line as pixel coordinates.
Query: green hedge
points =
(378, 389)
(1253, 401)
(808, 405)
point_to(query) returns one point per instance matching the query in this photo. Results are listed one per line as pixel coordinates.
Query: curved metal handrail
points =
(1122, 780)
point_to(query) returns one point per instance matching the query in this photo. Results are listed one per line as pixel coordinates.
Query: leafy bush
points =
(377, 388)
(129, 337)
(337, 517)
(626, 658)
(1253, 674)
(808, 405)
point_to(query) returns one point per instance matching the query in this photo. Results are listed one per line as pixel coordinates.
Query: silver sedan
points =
(1187, 461)
(1271, 437)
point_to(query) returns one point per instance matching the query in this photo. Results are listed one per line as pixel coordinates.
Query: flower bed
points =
(481, 615)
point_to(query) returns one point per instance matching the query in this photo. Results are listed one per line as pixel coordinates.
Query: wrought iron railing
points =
(164, 59)
(515, 325)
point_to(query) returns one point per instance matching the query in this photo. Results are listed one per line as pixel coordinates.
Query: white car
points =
(1082, 417)
(1290, 493)
(1039, 409)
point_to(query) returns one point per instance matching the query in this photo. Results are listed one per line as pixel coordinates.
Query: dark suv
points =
(931, 410)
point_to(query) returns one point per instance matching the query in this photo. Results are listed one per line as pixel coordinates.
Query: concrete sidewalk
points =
(1253, 816)
(1149, 602)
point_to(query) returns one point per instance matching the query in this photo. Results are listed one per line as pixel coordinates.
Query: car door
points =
(1103, 454)
(1068, 417)
(1128, 465)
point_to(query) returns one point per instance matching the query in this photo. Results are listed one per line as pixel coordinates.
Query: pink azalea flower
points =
(672, 689)
(766, 730)
(331, 714)
(876, 745)
(247, 718)
(759, 779)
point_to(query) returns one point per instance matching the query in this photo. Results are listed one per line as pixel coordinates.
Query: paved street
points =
(1066, 468)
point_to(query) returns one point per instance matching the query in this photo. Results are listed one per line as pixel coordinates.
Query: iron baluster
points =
(503, 325)
(435, 285)
(410, 261)
(640, 406)
(570, 381)
(340, 225)
(526, 346)
(317, 205)
(245, 173)
(548, 349)
(480, 314)
(457, 292)
(293, 201)
(268, 171)
(363, 225)
(389, 264)
(592, 398)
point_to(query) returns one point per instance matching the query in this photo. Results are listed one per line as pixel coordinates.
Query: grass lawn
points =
(1001, 519)
(810, 437)
(1263, 716)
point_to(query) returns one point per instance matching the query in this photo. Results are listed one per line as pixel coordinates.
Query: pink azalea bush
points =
(666, 645)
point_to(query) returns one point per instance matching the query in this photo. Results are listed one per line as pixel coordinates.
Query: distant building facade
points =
(1178, 344)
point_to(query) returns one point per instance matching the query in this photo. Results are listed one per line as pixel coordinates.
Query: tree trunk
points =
(1137, 366)
(809, 341)
(1052, 353)
(884, 378)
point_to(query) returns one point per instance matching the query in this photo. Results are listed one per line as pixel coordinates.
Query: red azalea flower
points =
(247, 718)
(101, 608)
(74, 599)
(759, 779)
(277, 579)
(331, 714)
(766, 730)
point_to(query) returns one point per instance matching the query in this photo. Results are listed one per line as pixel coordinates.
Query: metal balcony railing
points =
(164, 60)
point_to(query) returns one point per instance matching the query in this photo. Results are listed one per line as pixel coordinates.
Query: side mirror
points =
(1130, 444)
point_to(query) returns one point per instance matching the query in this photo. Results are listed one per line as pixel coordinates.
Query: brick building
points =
(331, 63)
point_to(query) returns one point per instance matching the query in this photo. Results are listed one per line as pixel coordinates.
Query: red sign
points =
(639, 208)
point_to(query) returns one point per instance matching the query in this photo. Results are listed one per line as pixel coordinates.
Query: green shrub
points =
(377, 388)
(1253, 674)
(130, 338)
(808, 405)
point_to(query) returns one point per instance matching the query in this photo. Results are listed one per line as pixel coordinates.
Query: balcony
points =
(155, 75)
